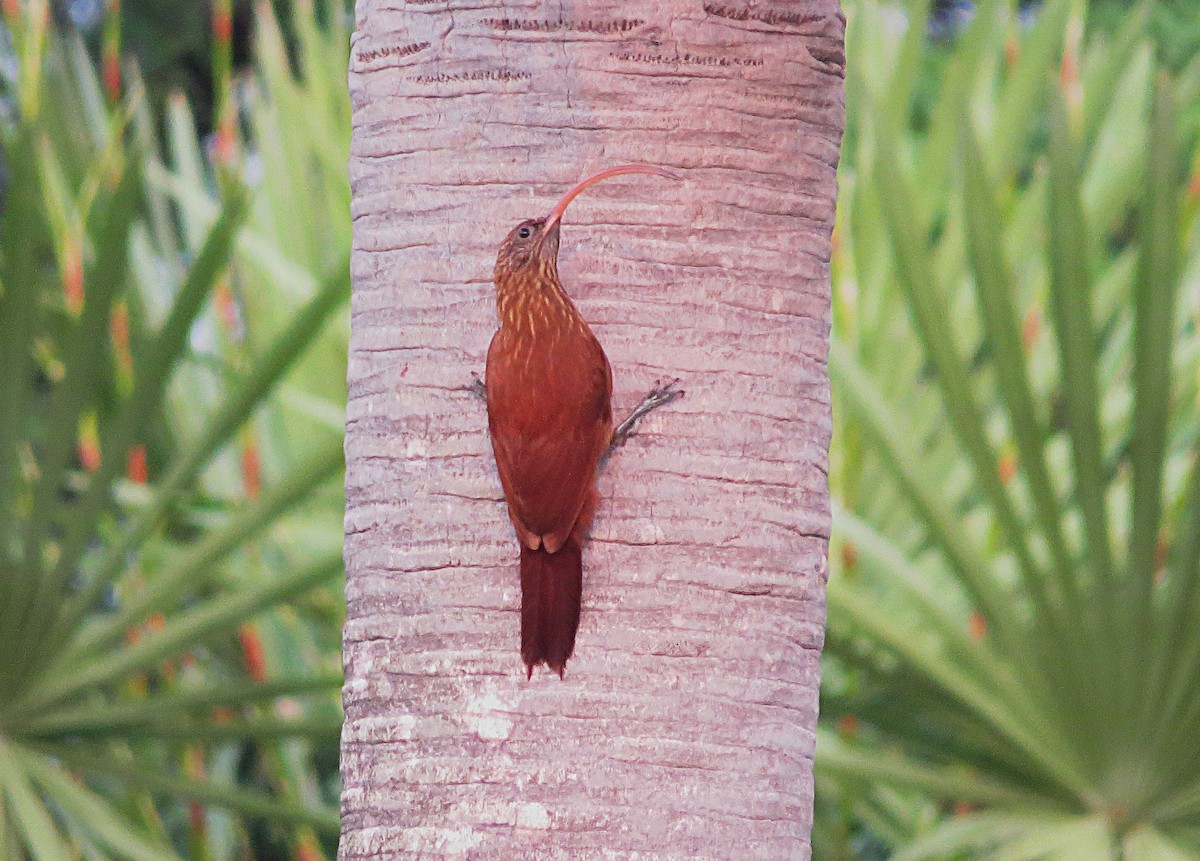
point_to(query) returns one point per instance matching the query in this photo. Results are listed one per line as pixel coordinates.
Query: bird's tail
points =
(551, 586)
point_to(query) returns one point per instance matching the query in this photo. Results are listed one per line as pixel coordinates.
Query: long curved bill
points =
(621, 169)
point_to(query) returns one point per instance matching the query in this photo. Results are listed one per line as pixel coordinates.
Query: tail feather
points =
(551, 586)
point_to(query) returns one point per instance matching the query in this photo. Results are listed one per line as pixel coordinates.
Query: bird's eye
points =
(524, 233)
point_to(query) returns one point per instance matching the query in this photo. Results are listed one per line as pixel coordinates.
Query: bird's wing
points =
(550, 420)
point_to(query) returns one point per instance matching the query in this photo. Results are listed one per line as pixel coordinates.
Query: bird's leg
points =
(659, 396)
(475, 387)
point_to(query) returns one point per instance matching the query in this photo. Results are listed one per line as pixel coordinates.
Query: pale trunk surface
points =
(685, 726)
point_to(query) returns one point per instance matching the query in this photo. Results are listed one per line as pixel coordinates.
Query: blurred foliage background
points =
(1013, 644)
(173, 286)
(1013, 657)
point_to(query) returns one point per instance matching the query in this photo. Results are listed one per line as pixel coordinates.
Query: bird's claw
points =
(659, 396)
(476, 387)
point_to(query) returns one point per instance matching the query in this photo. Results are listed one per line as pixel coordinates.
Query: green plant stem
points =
(323, 728)
(997, 307)
(250, 804)
(1071, 307)
(109, 718)
(963, 785)
(1154, 301)
(927, 305)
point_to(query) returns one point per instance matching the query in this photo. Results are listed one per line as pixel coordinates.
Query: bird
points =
(548, 388)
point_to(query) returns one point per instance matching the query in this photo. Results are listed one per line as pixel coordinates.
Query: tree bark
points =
(685, 725)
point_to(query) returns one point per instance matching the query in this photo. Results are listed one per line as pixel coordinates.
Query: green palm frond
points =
(153, 367)
(1014, 615)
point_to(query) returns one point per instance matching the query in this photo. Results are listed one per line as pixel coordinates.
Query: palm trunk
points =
(685, 725)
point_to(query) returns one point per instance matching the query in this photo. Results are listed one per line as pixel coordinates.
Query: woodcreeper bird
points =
(549, 402)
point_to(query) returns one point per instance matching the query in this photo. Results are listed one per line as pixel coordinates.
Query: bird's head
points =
(531, 248)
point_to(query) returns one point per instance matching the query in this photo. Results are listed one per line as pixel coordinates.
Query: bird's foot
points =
(476, 388)
(659, 396)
